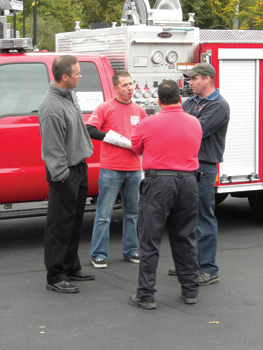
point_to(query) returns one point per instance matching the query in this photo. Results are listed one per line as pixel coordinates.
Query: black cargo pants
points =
(171, 201)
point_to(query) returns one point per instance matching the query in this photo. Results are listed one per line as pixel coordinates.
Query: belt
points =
(153, 173)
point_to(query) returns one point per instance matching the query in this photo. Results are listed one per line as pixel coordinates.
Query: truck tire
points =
(255, 199)
(220, 197)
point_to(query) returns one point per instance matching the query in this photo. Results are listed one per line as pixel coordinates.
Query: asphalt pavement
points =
(227, 316)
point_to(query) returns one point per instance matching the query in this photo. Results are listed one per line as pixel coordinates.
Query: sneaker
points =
(206, 278)
(172, 272)
(189, 301)
(99, 263)
(134, 259)
(147, 305)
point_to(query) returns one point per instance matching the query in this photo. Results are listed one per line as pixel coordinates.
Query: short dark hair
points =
(169, 92)
(119, 73)
(63, 65)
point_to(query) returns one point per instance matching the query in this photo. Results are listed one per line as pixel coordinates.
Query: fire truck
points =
(155, 44)
(24, 80)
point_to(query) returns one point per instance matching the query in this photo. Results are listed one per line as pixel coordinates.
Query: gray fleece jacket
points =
(65, 140)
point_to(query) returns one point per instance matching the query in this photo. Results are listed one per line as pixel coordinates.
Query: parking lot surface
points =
(227, 316)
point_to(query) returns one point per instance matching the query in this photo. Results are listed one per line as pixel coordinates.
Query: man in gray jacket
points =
(65, 146)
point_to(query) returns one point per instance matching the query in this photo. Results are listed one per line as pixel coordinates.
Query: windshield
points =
(22, 87)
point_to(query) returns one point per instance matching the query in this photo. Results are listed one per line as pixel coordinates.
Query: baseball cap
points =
(201, 68)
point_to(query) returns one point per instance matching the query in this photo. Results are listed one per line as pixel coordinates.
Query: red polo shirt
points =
(168, 140)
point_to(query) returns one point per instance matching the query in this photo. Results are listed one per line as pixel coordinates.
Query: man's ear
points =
(65, 77)
(208, 79)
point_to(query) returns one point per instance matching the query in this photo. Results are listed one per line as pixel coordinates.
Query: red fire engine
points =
(238, 59)
(152, 44)
(155, 44)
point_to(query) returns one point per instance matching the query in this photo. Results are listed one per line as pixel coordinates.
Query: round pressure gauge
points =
(157, 57)
(147, 94)
(137, 94)
(171, 57)
(155, 94)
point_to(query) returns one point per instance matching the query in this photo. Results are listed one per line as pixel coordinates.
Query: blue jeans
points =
(207, 228)
(110, 183)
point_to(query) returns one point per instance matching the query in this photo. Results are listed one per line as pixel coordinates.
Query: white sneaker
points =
(99, 263)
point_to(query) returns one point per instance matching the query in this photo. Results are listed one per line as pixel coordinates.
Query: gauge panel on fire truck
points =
(171, 57)
(157, 57)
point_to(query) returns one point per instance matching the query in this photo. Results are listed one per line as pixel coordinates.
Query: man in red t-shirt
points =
(169, 143)
(120, 170)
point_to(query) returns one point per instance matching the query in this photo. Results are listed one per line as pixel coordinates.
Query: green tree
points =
(224, 11)
(251, 16)
(101, 11)
(65, 11)
(60, 15)
(93, 13)
(114, 11)
(52, 17)
(46, 29)
(211, 13)
(203, 17)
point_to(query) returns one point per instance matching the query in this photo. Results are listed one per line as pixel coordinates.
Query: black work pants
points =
(171, 201)
(66, 204)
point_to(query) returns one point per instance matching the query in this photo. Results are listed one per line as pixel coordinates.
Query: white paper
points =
(116, 139)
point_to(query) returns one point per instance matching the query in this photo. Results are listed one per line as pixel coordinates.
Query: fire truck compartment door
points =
(239, 84)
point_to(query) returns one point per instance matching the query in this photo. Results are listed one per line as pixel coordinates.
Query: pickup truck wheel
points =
(220, 197)
(255, 199)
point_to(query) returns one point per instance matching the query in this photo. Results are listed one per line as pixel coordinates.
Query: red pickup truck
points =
(24, 79)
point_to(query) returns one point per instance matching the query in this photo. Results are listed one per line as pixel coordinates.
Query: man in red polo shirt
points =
(169, 143)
